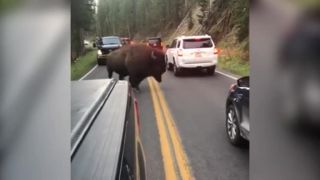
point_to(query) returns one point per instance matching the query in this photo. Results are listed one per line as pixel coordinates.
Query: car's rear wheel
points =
(170, 66)
(211, 70)
(232, 126)
(176, 70)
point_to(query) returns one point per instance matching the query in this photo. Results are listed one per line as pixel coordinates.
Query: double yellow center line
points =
(175, 161)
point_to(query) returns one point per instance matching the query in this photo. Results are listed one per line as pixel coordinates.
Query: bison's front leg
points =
(121, 77)
(135, 81)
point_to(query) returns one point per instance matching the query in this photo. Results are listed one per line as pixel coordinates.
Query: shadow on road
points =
(192, 73)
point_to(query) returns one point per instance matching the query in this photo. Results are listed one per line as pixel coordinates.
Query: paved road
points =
(196, 103)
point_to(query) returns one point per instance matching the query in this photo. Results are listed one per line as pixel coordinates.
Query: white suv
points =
(192, 52)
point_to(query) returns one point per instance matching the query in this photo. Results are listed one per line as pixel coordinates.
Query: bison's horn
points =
(153, 56)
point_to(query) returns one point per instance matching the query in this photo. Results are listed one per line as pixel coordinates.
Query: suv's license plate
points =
(198, 54)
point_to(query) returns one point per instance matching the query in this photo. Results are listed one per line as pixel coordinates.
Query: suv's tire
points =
(176, 70)
(170, 66)
(211, 70)
(232, 126)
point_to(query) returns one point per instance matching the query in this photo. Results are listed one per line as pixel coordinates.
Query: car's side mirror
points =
(243, 82)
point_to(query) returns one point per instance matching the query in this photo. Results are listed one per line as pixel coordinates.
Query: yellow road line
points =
(183, 163)
(164, 142)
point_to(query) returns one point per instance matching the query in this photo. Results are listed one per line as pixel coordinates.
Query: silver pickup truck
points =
(105, 131)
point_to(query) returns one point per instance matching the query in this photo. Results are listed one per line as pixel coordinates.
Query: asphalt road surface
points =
(195, 106)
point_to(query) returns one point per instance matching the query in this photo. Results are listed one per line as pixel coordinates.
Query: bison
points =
(136, 61)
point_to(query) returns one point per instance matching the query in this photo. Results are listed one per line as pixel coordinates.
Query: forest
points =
(139, 19)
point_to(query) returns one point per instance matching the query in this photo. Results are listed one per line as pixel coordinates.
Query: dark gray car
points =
(237, 112)
(105, 126)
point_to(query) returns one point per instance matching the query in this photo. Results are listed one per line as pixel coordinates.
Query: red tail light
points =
(137, 113)
(180, 53)
(216, 51)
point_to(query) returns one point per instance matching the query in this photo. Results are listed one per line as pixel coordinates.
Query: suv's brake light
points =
(232, 87)
(180, 53)
(216, 51)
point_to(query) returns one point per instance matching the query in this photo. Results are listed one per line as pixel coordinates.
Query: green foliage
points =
(190, 21)
(146, 17)
(234, 65)
(226, 15)
(82, 13)
(242, 20)
(82, 19)
(234, 56)
(203, 8)
(83, 64)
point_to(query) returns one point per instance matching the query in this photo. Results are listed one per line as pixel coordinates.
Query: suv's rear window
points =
(197, 43)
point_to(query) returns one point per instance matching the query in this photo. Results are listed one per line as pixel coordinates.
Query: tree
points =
(82, 19)
(203, 8)
(143, 17)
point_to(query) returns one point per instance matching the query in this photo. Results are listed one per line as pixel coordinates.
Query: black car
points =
(155, 42)
(106, 45)
(237, 112)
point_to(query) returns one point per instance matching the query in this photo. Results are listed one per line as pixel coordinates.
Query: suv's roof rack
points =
(183, 36)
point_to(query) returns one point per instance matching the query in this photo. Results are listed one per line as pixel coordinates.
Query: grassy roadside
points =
(234, 57)
(234, 65)
(83, 64)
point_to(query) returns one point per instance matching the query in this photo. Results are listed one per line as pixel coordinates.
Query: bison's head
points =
(158, 64)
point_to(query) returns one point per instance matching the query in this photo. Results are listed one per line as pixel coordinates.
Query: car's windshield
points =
(109, 40)
(154, 41)
(197, 43)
